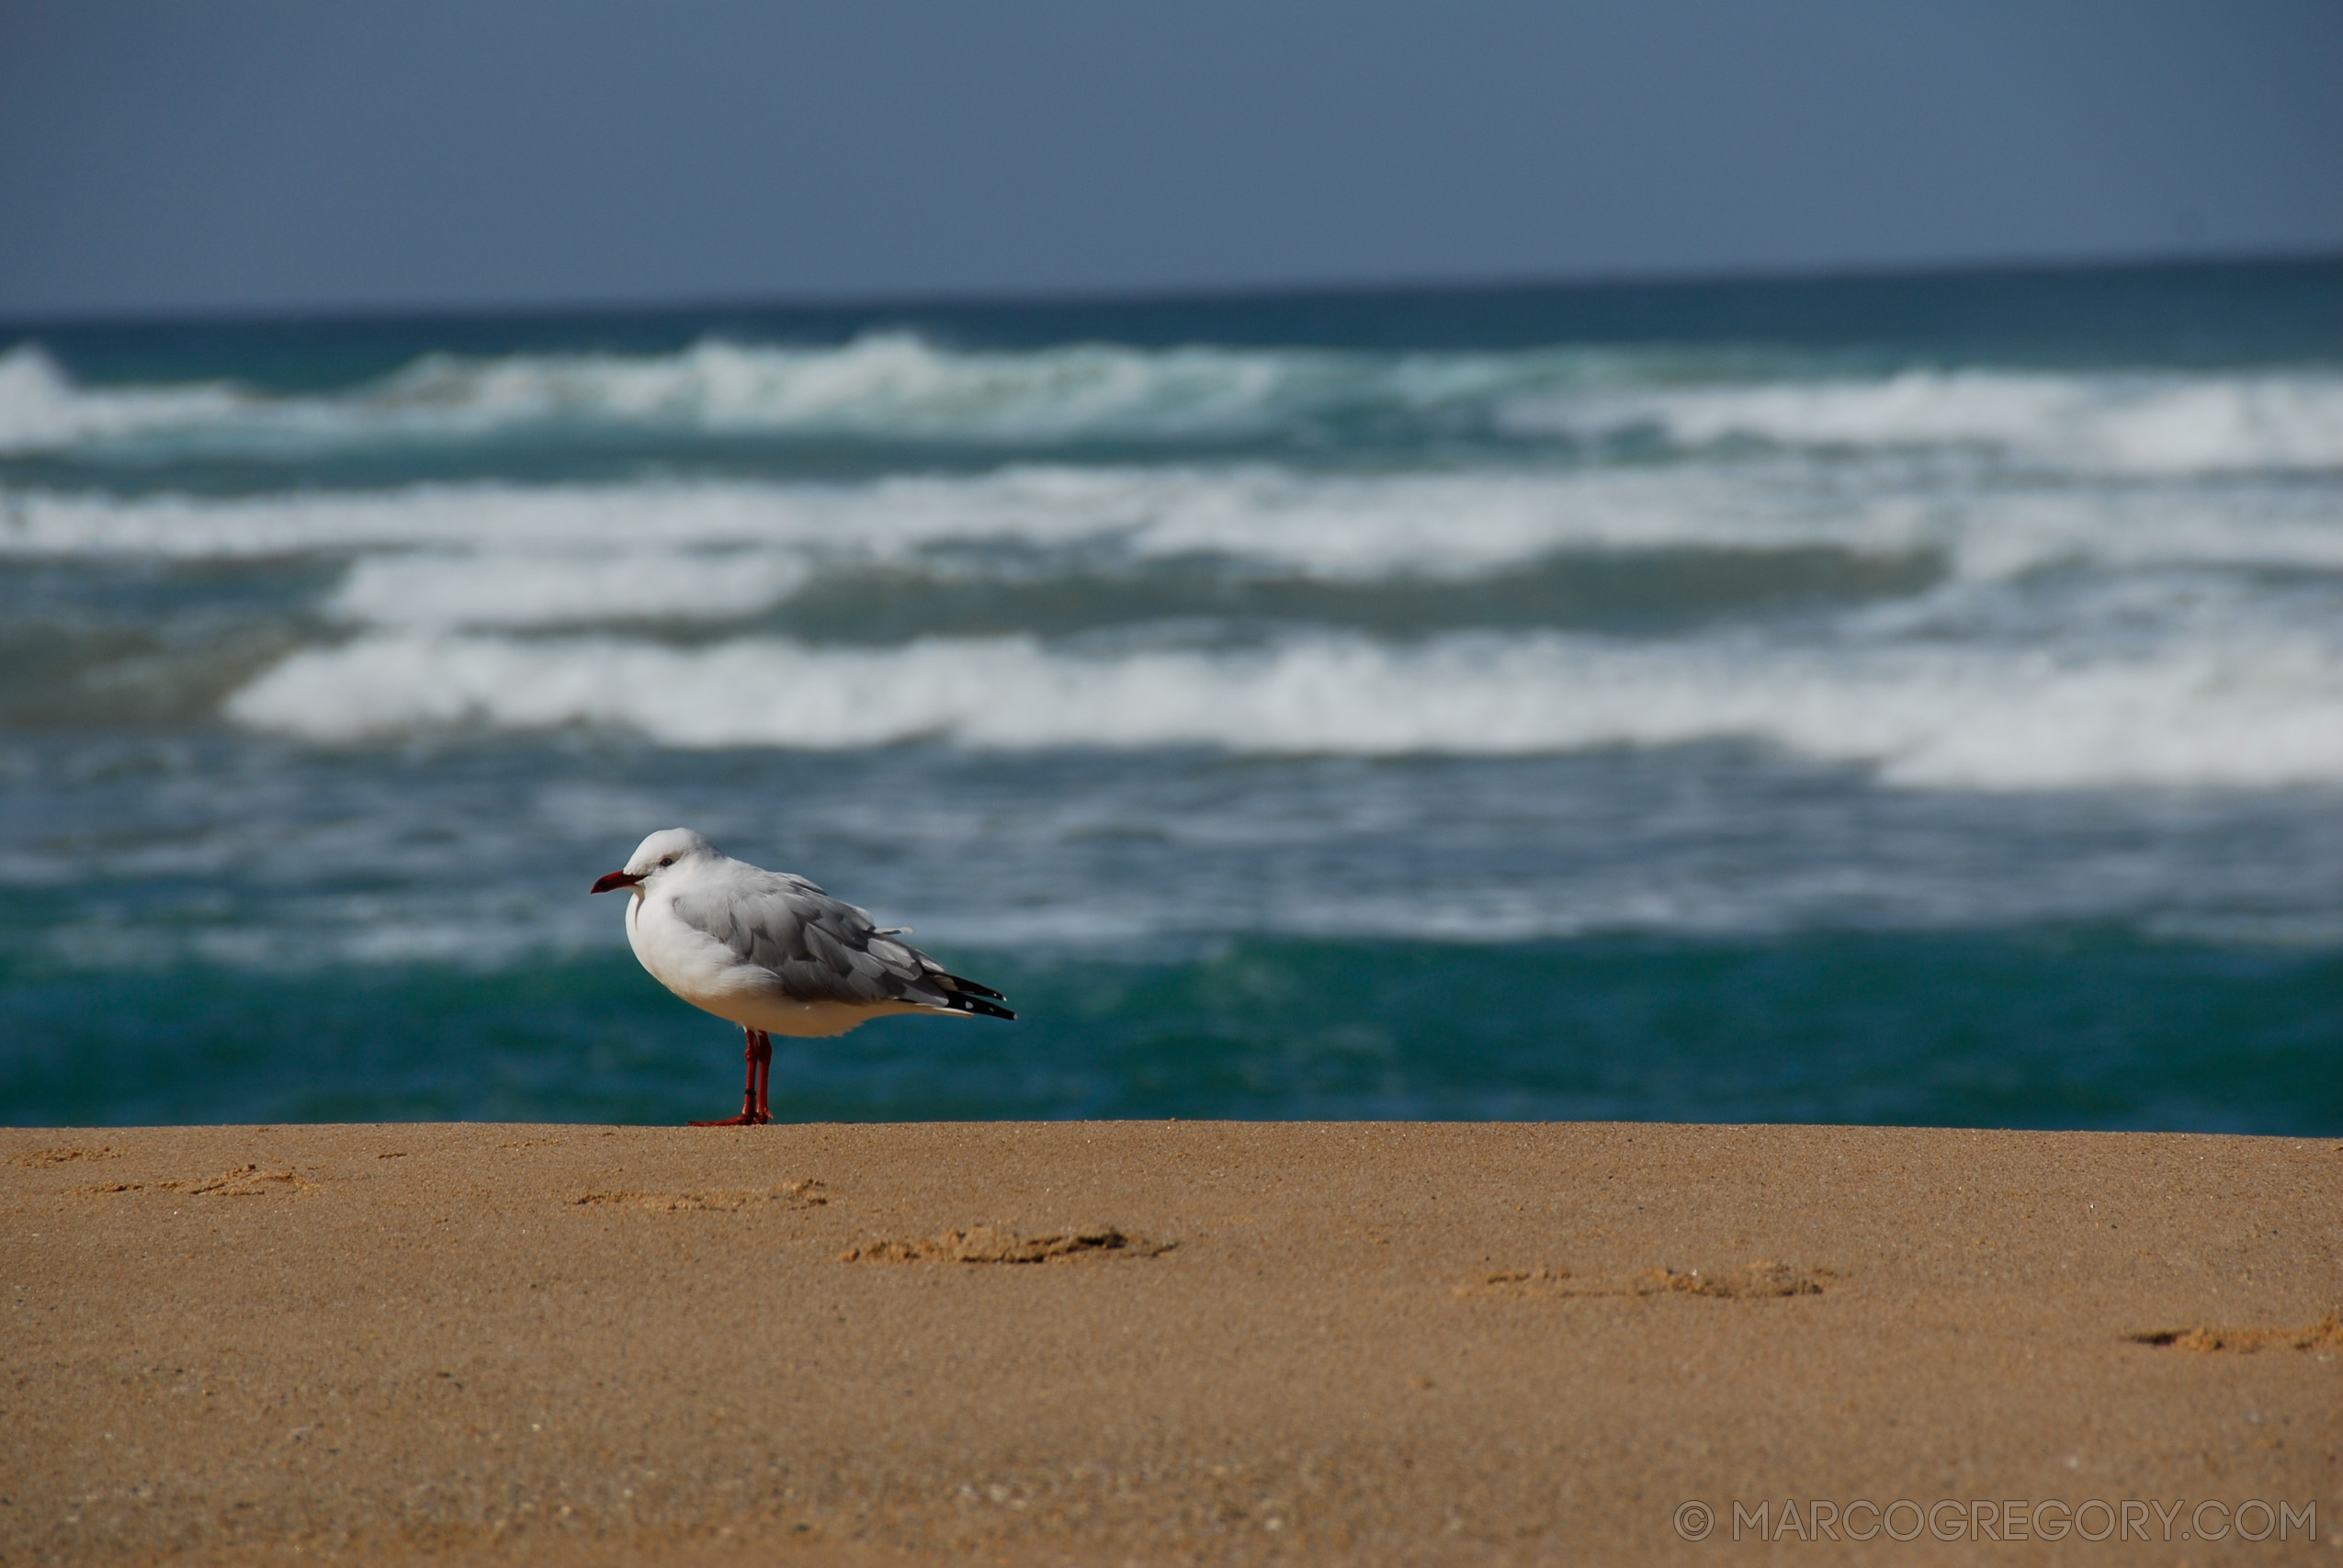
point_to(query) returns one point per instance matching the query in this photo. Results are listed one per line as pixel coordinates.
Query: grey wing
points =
(820, 949)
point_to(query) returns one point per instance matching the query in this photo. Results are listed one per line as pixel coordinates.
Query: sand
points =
(1162, 1342)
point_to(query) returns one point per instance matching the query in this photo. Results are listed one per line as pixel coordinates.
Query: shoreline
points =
(1361, 1342)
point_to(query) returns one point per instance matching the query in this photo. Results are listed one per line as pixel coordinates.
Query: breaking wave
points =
(42, 411)
(888, 387)
(2262, 711)
(2125, 423)
(894, 387)
(501, 555)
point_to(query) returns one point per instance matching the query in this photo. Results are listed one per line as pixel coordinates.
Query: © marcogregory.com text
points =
(2048, 1519)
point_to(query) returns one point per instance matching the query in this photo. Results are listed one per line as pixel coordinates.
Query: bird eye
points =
(669, 861)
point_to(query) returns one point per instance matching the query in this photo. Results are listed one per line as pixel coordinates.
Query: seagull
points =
(771, 951)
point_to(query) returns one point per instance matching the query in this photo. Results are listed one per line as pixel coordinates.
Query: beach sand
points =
(1158, 1342)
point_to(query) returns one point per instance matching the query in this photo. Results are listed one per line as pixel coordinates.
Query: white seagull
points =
(774, 954)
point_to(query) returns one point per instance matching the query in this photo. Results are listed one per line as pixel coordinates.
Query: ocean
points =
(1878, 699)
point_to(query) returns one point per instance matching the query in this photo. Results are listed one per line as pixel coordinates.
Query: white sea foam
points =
(897, 388)
(42, 410)
(1268, 519)
(890, 385)
(436, 589)
(886, 385)
(2116, 423)
(2257, 711)
(1455, 524)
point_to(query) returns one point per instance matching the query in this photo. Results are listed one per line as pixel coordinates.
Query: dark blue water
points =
(1893, 699)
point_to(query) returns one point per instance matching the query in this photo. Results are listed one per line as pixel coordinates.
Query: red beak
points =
(613, 882)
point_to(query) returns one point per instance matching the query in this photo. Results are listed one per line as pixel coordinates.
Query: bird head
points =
(667, 847)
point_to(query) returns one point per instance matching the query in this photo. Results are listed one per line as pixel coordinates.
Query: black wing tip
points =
(977, 1007)
(972, 988)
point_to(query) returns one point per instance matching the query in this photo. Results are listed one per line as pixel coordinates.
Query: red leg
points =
(749, 1116)
(764, 1075)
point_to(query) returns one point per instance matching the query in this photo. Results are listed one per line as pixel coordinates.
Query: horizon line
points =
(1044, 299)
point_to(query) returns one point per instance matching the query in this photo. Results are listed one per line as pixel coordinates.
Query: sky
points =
(240, 156)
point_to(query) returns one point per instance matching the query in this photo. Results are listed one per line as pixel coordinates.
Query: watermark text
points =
(1999, 1518)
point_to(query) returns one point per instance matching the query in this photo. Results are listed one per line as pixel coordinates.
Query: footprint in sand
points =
(244, 1181)
(37, 1158)
(997, 1244)
(2327, 1334)
(807, 1194)
(1763, 1277)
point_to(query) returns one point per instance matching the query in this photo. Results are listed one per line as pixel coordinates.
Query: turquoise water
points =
(1912, 700)
(2034, 1028)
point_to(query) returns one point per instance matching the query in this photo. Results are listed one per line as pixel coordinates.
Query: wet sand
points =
(1095, 1343)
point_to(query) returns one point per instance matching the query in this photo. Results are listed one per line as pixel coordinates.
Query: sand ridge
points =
(1193, 1342)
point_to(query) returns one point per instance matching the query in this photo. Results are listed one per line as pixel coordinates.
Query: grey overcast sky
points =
(296, 155)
